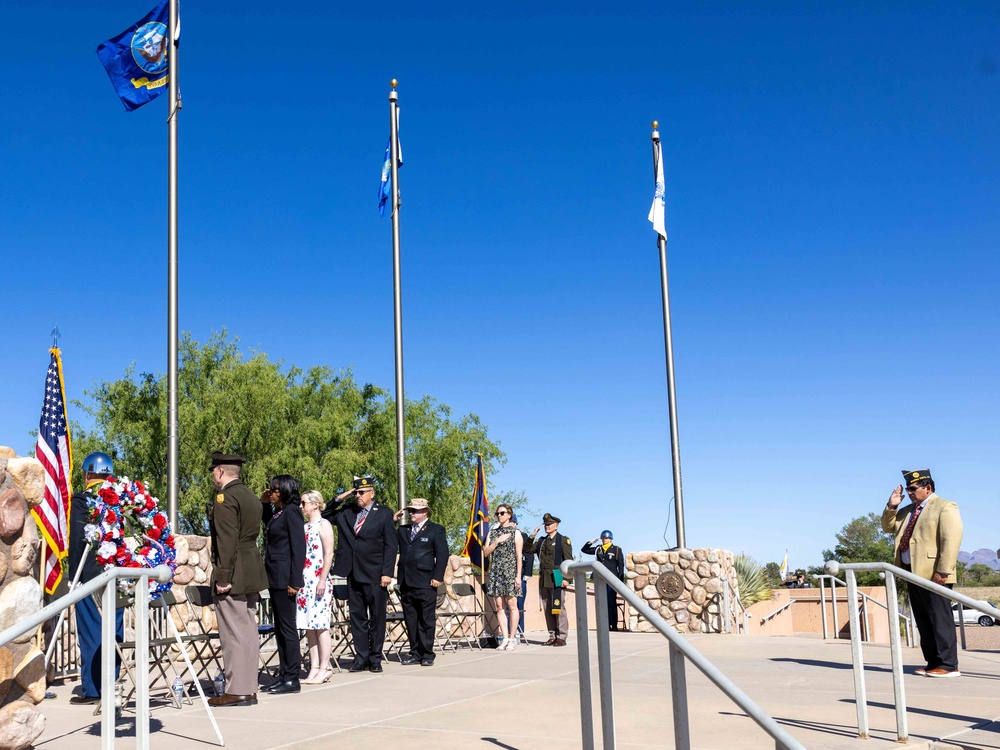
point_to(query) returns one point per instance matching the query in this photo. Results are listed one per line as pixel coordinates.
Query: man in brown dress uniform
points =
(237, 575)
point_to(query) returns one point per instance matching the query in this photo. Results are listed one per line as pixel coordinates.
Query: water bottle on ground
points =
(178, 691)
(219, 684)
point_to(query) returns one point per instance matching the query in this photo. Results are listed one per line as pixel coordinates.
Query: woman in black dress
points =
(284, 558)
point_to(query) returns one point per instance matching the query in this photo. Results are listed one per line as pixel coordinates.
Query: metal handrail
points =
(680, 650)
(778, 611)
(891, 574)
(730, 595)
(108, 580)
(833, 598)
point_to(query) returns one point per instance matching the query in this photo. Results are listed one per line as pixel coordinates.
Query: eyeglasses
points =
(417, 510)
(502, 513)
(912, 488)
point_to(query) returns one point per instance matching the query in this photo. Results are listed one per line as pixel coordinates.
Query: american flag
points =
(54, 452)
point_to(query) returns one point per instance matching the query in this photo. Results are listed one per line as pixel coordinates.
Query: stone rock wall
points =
(698, 607)
(22, 676)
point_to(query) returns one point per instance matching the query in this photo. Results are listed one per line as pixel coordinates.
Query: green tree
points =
(862, 540)
(772, 573)
(318, 425)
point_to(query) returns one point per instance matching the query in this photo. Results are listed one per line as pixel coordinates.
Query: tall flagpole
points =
(397, 292)
(175, 105)
(675, 448)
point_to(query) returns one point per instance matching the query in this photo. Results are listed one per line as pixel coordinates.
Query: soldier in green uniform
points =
(552, 549)
(237, 575)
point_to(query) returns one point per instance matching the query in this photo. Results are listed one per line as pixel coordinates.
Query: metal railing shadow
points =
(680, 652)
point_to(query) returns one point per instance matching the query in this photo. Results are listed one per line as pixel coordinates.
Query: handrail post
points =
(897, 657)
(961, 624)
(604, 664)
(836, 617)
(726, 605)
(822, 605)
(142, 663)
(108, 620)
(860, 696)
(583, 660)
(679, 699)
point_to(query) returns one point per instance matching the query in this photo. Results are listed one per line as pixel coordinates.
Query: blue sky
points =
(832, 191)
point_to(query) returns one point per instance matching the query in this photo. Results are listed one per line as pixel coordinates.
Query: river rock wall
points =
(22, 674)
(683, 586)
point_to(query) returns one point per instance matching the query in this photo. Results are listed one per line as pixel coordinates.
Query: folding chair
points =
(462, 623)
(340, 624)
(442, 638)
(160, 644)
(395, 623)
(204, 644)
(267, 645)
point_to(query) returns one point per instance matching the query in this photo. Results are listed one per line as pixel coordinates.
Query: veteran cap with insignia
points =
(916, 476)
(362, 482)
(549, 518)
(225, 459)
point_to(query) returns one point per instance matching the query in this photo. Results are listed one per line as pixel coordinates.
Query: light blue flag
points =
(383, 188)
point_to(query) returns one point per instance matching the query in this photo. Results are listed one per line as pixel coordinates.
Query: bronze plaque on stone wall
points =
(670, 586)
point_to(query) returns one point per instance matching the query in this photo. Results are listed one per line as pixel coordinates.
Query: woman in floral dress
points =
(503, 547)
(316, 595)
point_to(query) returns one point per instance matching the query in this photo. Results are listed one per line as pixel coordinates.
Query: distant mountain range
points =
(985, 556)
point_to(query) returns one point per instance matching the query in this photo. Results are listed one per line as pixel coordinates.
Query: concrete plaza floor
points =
(529, 700)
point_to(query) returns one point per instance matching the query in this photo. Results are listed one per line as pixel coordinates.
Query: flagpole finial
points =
(55, 336)
(394, 83)
(656, 132)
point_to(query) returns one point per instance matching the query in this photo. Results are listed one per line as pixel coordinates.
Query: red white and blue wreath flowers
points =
(127, 530)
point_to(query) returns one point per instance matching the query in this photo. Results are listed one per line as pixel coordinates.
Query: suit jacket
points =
(613, 559)
(936, 537)
(372, 553)
(424, 559)
(234, 520)
(284, 546)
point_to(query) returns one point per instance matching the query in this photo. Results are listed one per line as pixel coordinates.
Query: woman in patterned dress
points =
(316, 595)
(503, 547)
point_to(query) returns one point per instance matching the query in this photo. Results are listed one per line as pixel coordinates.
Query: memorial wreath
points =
(127, 530)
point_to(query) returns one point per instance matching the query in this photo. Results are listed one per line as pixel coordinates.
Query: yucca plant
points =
(751, 579)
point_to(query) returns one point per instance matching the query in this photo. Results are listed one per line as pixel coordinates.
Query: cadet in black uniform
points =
(611, 557)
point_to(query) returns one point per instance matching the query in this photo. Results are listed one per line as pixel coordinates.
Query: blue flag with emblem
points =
(383, 188)
(479, 523)
(136, 59)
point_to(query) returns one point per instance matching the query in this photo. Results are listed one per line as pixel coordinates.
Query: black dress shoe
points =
(377, 668)
(409, 659)
(288, 686)
(357, 666)
(228, 699)
(84, 700)
(426, 662)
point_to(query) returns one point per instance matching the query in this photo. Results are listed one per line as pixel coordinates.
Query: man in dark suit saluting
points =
(366, 555)
(423, 554)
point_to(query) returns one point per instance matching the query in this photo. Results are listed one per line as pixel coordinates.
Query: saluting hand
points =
(896, 497)
(397, 515)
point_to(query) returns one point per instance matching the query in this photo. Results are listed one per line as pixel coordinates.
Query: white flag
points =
(656, 210)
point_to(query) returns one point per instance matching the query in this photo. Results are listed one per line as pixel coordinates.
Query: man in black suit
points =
(366, 555)
(423, 554)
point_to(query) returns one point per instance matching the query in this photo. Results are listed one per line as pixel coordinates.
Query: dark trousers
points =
(367, 604)
(286, 635)
(936, 626)
(612, 609)
(419, 607)
(88, 633)
(520, 605)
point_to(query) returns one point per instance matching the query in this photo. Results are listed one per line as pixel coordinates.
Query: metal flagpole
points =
(675, 450)
(397, 292)
(175, 105)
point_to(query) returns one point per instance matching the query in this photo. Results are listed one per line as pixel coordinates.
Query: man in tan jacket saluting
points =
(928, 533)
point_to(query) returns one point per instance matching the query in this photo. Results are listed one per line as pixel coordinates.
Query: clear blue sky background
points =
(832, 206)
